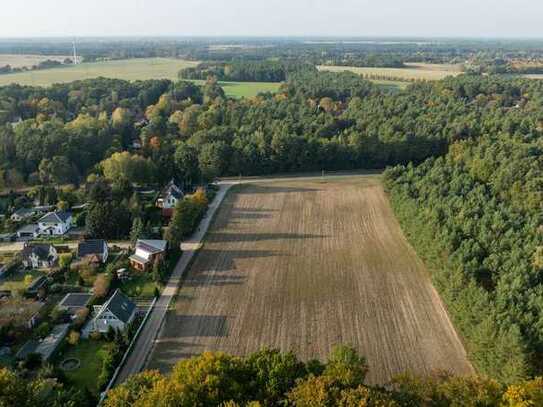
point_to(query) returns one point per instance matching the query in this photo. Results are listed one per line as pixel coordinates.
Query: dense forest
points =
(475, 216)
(271, 378)
(244, 71)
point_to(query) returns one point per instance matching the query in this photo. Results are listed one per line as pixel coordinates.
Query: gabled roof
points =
(37, 284)
(32, 228)
(55, 217)
(138, 259)
(120, 306)
(42, 250)
(152, 246)
(171, 189)
(24, 212)
(90, 247)
(75, 300)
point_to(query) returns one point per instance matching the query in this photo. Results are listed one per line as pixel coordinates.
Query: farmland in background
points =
(303, 266)
(130, 69)
(418, 71)
(20, 61)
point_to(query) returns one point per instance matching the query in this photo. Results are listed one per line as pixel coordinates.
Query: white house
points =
(39, 256)
(55, 223)
(22, 214)
(26, 213)
(95, 251)
(168, 198)
(116, 314)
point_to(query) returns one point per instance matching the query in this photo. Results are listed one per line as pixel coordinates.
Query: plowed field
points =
(302, 266)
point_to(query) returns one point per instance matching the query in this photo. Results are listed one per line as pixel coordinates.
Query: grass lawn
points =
(130, 69)
(390, 84)
(86, 375)
(15, 281)
(141, 285)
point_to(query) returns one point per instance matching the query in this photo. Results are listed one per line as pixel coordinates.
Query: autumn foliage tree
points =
(272, 378)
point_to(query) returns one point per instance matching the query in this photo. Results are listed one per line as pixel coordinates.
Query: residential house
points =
(39, 255)
(147, 253)
(55, 223)
(94, 251)
(74, 302)
(28, 232)
(7, 237)
(168, 198)
(22, 214)
(36, 285)
(117, 313)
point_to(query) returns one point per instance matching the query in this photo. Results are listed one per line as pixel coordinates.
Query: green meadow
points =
(131, 70)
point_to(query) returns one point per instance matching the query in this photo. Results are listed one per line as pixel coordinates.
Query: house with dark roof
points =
(27, 232)
(39, 255)
(147, 253)
(168, 198)
(74, 302)
(117, 313)
(94, 251)
(55, 223)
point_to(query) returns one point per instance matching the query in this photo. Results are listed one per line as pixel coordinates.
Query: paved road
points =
(143, 347)
(137, 360)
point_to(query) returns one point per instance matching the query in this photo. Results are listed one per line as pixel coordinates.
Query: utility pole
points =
(75, 52)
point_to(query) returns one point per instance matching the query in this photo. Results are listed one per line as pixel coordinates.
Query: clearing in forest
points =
(303, 266)
(419, 71)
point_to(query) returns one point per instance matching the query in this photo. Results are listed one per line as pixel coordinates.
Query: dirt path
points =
(303, 266)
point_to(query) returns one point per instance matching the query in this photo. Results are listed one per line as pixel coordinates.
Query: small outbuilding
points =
(74, 302)
(95, 251)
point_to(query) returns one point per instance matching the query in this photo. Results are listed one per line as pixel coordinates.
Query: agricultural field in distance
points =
(418, 71)
(303, 266)
(130, 69)
(20, 61)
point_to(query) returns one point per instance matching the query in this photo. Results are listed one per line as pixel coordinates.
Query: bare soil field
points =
(303, 266)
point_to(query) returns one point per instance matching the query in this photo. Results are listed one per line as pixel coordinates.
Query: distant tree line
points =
(48, 63)
(244, 71)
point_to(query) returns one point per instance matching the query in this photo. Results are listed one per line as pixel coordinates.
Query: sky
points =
(424, 18)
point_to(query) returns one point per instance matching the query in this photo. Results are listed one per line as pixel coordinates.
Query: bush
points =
(101, 285)
(43, 330)
(73, 338)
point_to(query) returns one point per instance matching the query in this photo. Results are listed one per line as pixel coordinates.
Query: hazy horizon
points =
(501, 19)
